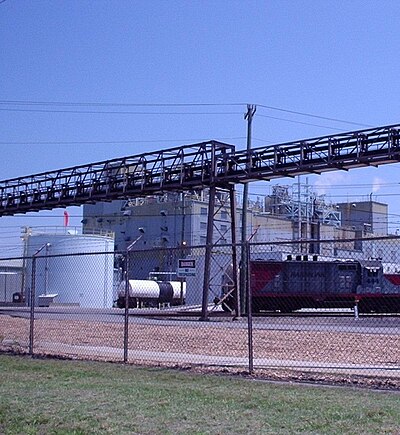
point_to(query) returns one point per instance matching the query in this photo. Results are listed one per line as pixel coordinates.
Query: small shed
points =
(10, 279)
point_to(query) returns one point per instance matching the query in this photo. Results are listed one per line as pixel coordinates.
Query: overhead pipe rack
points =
(197, 166)
(372, 147)
(181, 168)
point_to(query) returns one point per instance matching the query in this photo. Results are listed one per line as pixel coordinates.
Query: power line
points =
(61, 103)
(312, 115)
(298, 122)
(339, 186)
(118, 104)
(358, 185)
(116, 141)
(109, 112)
(260, 140)
(342, 195)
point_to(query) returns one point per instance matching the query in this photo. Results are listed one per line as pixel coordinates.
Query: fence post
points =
(32, 296)
(32, 305)
(249, 307)
(126, 312)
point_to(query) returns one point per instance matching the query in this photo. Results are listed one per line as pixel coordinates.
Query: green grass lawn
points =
(78, 397)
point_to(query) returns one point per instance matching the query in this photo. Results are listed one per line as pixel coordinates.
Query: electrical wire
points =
(113, 104)
(117, 141)
(361, 185)
(298, 122)
(110, 112)
(98, 104)
(341, 186)
(258, 139)
(313, 116)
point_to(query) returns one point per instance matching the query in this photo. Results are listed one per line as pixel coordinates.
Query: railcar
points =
(303, 282)
(150, 293)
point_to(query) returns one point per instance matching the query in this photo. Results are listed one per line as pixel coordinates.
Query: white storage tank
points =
(82, 280)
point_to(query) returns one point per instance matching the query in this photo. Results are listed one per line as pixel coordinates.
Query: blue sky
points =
(337, 59)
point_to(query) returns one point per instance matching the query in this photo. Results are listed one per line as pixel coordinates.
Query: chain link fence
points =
(293, 309)
(335, 312)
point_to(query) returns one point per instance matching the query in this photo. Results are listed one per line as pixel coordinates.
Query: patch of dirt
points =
(311, 346)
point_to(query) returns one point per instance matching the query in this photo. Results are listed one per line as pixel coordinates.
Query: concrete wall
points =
(365, 216)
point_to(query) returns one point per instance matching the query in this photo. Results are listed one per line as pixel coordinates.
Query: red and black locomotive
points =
(304, 281)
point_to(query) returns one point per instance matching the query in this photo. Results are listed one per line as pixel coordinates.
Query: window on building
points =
(203, 240)
(203, 225)
(203, 211)
(224, 214)
(224, 228)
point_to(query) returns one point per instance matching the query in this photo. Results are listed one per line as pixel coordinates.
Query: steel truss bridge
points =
(197, 166)
(214, 165)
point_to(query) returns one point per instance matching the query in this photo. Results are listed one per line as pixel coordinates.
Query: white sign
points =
(186, 267)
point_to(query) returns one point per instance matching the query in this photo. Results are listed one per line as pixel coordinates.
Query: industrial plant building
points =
(287, 214)
(295, 213)
(162, 229)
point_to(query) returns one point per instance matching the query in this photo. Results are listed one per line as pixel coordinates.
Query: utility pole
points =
(251, 110)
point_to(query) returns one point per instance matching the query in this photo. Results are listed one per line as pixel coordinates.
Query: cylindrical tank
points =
(83, 280)
(172, 292)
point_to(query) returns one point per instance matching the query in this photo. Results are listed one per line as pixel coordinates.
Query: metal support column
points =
(208, 253)
(232, 203)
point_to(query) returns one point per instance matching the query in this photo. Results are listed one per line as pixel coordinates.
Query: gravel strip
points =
(315, 346)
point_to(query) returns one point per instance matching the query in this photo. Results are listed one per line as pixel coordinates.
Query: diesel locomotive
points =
(308, 282)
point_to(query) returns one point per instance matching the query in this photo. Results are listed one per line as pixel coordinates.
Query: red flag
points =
(66, 218)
